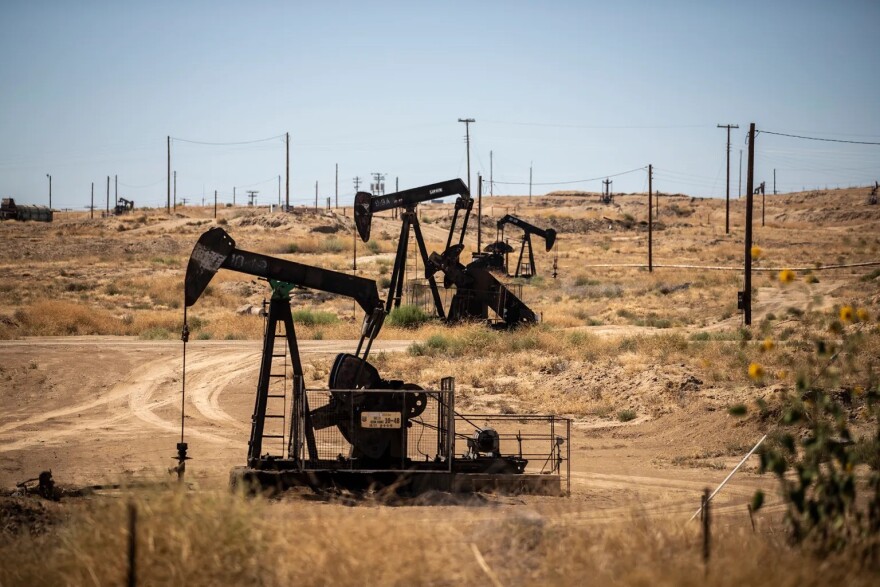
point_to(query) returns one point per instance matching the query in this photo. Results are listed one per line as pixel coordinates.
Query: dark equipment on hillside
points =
(123, 207)
(524, 269)
(365, 205)
(9, 210)
(364, 431)
(476, 289)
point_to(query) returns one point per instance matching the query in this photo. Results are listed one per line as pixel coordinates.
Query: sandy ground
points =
(107, 409)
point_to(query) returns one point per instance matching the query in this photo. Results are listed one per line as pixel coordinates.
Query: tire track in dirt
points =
(13, 438)
(153, 386)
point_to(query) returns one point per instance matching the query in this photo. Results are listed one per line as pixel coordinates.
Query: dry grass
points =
(222, 539)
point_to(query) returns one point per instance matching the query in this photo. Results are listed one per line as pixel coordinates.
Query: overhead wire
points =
(267, 139)
(782, 134)
(597, 127)
(572, 181)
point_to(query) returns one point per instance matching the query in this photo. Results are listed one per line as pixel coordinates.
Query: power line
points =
(597, 127)
(574, 181)
(782, 134)
(137, 187)
(230, 143)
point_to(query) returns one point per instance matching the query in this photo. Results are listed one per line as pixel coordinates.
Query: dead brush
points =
(223, 539)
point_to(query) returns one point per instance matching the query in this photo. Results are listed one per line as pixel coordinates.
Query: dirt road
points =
(107, 409)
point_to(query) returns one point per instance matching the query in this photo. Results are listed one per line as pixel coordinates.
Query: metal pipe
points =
(726, 479)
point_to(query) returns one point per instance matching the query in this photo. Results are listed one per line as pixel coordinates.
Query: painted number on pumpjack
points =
(380, 419)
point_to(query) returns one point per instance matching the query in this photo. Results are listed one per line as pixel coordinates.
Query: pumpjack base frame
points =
(411, 482)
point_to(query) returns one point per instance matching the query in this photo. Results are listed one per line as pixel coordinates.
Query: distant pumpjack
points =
(522, 269)
(476, 289)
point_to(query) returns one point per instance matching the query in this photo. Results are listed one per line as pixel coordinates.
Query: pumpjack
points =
(477, 290)
(365, 431)
(524, 269)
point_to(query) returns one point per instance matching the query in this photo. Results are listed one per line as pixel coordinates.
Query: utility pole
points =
(774, 181)
(337, 187)
(650, 220)
(763, 201)
(740, 190)
(357, 187)
(606, 191)
(92, 205)
(252, 197)
(491, 177)
(287, 173)
(378, 188)
(233, 196)
(479, 212)
(316, 196)
(168, 175)
(750, 178)
(175, 190)
(727, 209)
(467, 139)
(279, 191)
(530, 182)
(115, 190)
(108, 195)
(50, 190)
(215, 203)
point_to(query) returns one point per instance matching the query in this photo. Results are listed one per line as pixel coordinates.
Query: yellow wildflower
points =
(756, 371)
(846, 314)
(863, 314)
(756, 252)
(786, 276)
(781, 374)
(768, 344)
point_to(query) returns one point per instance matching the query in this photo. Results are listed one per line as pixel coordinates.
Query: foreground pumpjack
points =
(364, 431)
(477, 290)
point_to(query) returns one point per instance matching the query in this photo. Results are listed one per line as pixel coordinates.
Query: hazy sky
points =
(579, 89)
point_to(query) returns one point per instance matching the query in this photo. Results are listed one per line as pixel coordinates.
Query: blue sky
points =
(578, 90)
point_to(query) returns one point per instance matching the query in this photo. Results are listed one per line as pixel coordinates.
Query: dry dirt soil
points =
(90, 368)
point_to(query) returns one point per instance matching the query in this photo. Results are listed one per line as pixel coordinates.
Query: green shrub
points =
(582, 280)
(332, 245)
(314, 317)
(156, 333)
(626, 415)
(407, 316)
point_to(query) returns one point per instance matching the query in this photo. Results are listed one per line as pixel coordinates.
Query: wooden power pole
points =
(287, 173)
(479, 212)
(650, 220)
(727, 208)
(168, 176)
(750, 178)
(467, 140)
